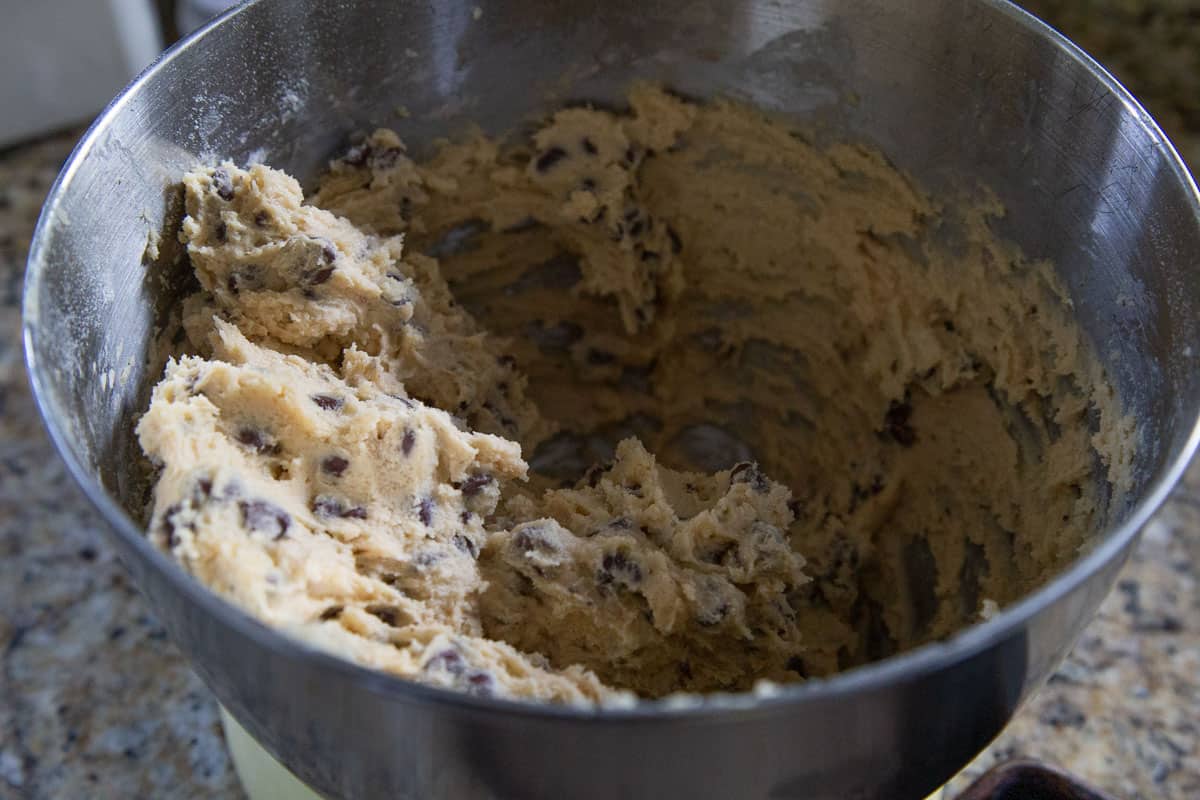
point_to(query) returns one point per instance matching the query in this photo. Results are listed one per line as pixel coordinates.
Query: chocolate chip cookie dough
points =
(670, 400)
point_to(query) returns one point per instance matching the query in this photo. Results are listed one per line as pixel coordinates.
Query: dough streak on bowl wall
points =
(667, 400)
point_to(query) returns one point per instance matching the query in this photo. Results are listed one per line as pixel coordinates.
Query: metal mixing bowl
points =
(949, 89)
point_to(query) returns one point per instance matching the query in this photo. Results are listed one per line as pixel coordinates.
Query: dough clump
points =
(670, 400)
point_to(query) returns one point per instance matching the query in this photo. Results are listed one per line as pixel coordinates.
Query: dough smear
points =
(670, 400)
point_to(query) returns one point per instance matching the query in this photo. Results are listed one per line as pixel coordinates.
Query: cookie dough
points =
(668, 400)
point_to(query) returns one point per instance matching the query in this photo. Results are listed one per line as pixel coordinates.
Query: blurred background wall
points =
(62, 60)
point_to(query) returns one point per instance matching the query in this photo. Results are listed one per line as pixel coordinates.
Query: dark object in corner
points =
(1029, 780)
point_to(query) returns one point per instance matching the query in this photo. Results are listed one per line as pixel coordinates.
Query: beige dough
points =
(673, 400)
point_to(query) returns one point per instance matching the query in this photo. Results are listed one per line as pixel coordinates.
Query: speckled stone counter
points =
(96, 703)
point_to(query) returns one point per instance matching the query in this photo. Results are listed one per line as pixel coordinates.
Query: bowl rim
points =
(918, 662)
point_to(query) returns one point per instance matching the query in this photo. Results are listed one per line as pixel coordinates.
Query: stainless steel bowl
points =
(947, 88)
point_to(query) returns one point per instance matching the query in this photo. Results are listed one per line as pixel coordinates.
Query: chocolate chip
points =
(748, 472)
(448, 660)
(676, 244)
(388, 615)
(472, 681)
(549, 158)
(589, 146)
(258, 441)
(465, 517)
(465, 544)
(261, 219)
(333, 612)
(259, 515)
(222, 184)
(168, 525)
(479, 684)
(533, 539)
(896, 423)
(616, 568)
(427, 558)
(948, 325)
(425, 511)
(408, 441)
(330, 507)
(334, 465)
(220, 231)
(508, 422)
(474, 484)
(204, 487)
(328, 402)
(317, 277)
(329, 253)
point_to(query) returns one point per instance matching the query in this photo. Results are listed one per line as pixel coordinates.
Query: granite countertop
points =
(96, 702)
